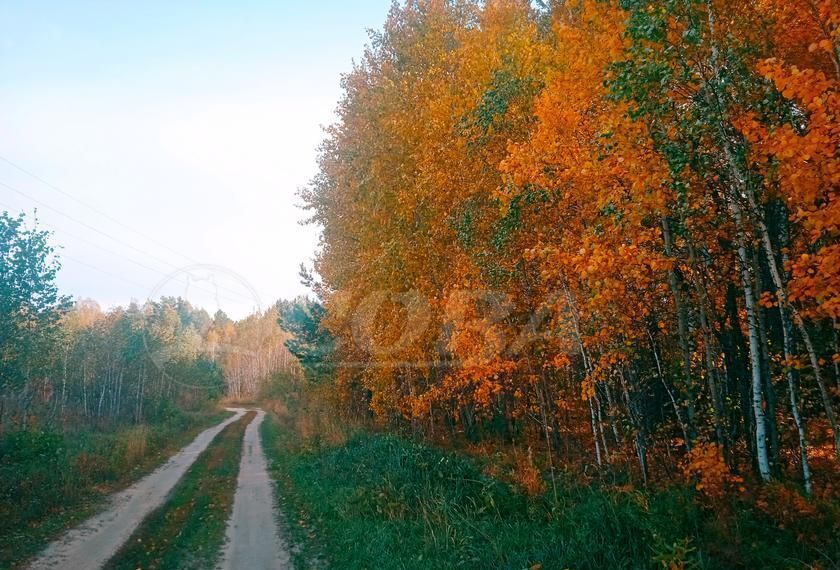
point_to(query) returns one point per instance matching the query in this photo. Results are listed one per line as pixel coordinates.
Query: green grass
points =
(50, 481)
(188, 530)
(380, 501)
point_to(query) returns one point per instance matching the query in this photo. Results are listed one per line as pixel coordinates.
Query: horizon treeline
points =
(607, 225)
(66, 363)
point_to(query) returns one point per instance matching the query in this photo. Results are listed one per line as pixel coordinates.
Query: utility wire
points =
(95, 209)
(100, 270)
(86, 264)
(107, 235)
(130, 260)
(109, 217)
(118, 255)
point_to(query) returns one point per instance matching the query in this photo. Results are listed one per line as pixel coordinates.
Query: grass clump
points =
(188, 530)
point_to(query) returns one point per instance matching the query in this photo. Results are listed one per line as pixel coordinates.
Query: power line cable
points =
(107, 235)
(120, 256)
(95, 268)
(109, 217)
(135, 262)
(94, 208)
(100, 270)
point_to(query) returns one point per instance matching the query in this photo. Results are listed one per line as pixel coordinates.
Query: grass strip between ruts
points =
(188, 530)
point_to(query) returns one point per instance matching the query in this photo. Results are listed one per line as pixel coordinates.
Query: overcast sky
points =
(170, 138)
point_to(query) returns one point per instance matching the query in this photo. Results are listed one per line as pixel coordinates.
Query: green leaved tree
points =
(30, 309)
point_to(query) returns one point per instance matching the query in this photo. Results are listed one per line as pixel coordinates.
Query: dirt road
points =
(254, 540)
(94, 541)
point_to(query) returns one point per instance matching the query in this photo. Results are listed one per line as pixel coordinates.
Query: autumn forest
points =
(607, 230)
(575, 303)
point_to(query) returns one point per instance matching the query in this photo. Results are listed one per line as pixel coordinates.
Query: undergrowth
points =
(51, 480)
(382, 501)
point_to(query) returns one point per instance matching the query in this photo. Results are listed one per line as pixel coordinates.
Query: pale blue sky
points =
(188, 126)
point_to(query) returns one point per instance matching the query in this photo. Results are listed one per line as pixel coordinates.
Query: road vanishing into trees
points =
(253, 537)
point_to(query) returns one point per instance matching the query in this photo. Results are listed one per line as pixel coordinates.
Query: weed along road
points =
(253, 537)
(93, 542)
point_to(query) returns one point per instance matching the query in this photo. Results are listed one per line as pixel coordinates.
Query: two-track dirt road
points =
(253, 538)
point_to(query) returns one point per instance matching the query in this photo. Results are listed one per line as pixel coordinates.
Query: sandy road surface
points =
(254, 540)
(93, 542)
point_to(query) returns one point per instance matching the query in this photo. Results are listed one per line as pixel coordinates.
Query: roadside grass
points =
(381, 501)
(188, 530)
(50, 480)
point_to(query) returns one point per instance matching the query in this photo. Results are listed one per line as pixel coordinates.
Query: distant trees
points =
(250, 351)
(128, 364)
(72, 363)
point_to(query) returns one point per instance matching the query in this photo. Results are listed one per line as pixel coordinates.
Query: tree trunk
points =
(638, 427)
(670, 393)
(762, 456)
(769, 390)
(781, 293)
(675, 284)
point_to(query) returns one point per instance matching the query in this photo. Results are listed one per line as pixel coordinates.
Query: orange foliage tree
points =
(609, 226)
